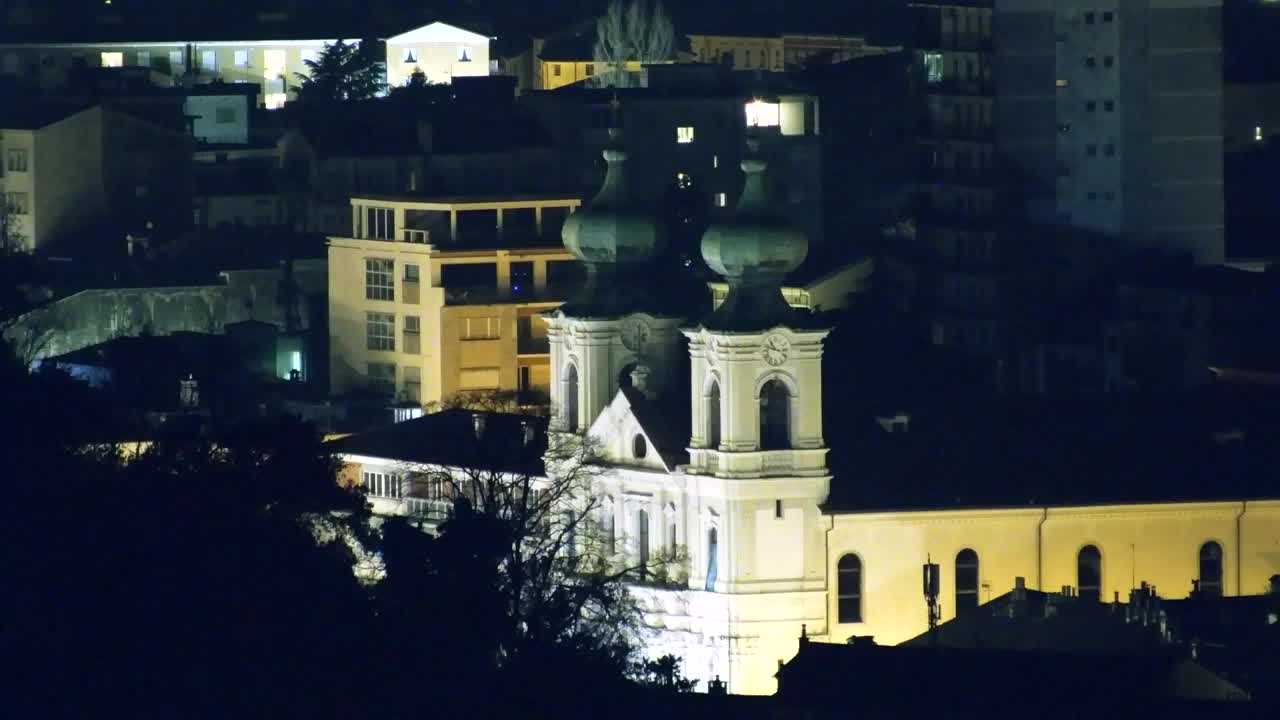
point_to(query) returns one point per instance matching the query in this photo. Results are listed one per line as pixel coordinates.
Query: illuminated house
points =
(271, 55)
(713, 450)
(435, 296)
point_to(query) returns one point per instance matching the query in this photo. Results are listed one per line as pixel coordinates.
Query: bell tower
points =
(757, 455)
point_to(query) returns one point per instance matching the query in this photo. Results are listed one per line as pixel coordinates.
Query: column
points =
(397, 215)
(503, 262)
(499, 222)
(453, 225)
(539, 276)
(537, 220)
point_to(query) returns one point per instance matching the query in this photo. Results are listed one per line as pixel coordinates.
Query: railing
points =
(427, 509)
(418, 237)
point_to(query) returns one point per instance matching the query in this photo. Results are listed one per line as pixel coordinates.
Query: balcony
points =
(419, 237)
(533, 345)
(759, 463)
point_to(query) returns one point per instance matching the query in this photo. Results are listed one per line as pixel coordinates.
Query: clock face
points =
(775, 349)
(634, 334)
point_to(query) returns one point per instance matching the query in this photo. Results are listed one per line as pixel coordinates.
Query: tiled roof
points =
(450, 438)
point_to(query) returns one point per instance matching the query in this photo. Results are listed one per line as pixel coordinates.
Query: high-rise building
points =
(1044, 122)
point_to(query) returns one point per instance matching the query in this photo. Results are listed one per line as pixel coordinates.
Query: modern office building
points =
(430, 297)
(1046, 126)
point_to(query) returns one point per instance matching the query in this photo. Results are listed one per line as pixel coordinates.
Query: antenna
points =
(932, 582)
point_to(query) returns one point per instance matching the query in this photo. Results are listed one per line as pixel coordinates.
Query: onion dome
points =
(616, 240)
(754, 250)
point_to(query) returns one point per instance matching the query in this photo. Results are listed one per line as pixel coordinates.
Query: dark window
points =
(966, 580)
(1090, 106)
(642, 533)
(1109, 105)
(522, 278)
(1091, 149)
(1108, 61)
(1090, 61)
(775, 416)
(1108, 16)
(1089, 573)
(571, 399)
(639, 448)
(849, 589)
(713, 548)
(467, 275)
(713, 416)
(777, 509)
(1211, 569)
(1088, 18)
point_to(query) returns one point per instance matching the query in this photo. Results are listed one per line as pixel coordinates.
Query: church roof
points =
(666, 428)
(451, 438)
(1207, 445)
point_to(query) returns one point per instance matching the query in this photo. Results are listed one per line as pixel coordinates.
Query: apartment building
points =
(1045, 124)
(271, 55)
(71, 170)
(431, 297)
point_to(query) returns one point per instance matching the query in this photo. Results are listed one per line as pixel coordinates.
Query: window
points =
(671, 531)
(639, 448)
(555, 69)
(480, 328)
(175, 59)
(242, 58)
(412, 324)
(1211, 569)
(1090, 61)
(1109, 150)
(464, 53)
(1109, 105)
(1062, 83)
(1089, 573)
(715, 161)
(684, 134)
(112, 59)
(775, 416)
(849, 589)
(1093, 196)
(1108, 61)
(275, 101)
(713, 416)
(1108, 16)
(571, 399)
(721, 199)
(208, 61)
(591, 69)
(411, 273)
(19, 203)
(409, 55)
(1088, 18)
(777, 509)
(144, 58)
(1091, 149)
(1257, 133)
(380, 223)
(933, 68)
(479, 378)
(713, 553)
(966, 581)
(642, 539)
(16, 160)
(412, 381)
(380, 331)
(223, 116)
(762, 114)
(379, 280)
(610, 529)
(1090, 106)
(382, 379)
(381, 484)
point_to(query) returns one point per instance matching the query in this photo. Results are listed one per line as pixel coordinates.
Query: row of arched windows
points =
(849, 588)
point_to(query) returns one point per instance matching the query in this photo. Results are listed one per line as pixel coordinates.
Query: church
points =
(710, 432)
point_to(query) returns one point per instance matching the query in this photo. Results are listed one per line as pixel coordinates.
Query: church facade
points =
(711, 433)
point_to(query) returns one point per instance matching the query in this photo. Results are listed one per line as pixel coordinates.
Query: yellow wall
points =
(551, 74)
(747, 52)
(1157, 544)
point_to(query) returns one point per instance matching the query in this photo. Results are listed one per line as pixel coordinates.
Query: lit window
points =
(684, 134)
(762, 114)
(1063, 82)
(683, 181)
(464, 53)
(381, 484)
(380, 331)
(933, 68)
(112, 59)
(242, 58)
(175, 59)
(208, 60)
(721, 200)
(1257, 133)
(379, 283)
(410, 55)
(849, 589)
(144, 58)
(591, 69)
(715, 161)
(555, 69)
(16, 160)
(275, 101)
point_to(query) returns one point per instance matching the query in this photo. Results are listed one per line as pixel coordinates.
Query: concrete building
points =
(71, 169)
(1044, 123)
(270, 55)
(774, 526)
(430, 298)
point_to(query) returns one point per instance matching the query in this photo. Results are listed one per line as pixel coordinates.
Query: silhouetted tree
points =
(344, 71)
(664, 673)
(635, 32)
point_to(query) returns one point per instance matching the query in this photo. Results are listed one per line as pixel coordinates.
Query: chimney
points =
(477, 421)
(804, 634)
(716, 687)
(1275, 584)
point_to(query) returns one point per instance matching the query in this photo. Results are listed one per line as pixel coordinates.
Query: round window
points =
(639, 448)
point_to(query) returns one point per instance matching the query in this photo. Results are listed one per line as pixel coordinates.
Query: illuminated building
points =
(435, 296)
(271, 55)
(733, 471)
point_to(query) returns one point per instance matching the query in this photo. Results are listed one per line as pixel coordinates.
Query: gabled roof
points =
(666, 430)
(438, 32)
(34, 115)
(452, 438)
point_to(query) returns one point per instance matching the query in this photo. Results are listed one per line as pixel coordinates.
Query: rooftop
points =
(450, 438)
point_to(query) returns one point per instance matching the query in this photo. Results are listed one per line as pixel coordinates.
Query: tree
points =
(418, 90)
(636, 32)
(344, 72)
(664, 673)
(11, 239)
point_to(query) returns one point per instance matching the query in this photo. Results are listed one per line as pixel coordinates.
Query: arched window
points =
(849, 589)
(775, 416)
(639, 448)
(571, 399)
(1089, 574)
(609, 529)
(966, 580)
(642, 537)
(713, 549)
(1211, 569)
(713, 416)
